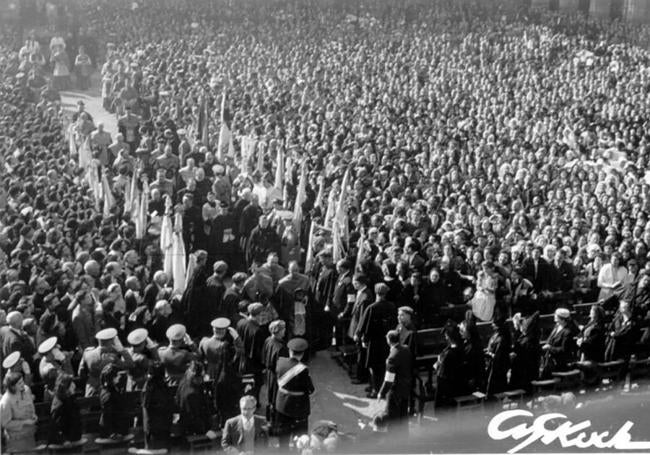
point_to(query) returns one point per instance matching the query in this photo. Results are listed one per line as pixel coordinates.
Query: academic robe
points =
(273, 349)
(525, 365)
(195, 303)
(498, 362)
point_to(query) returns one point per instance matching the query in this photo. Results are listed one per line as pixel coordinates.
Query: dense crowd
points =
(330, 177)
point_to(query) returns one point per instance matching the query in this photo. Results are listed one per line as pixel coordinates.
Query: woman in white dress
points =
(484, 299)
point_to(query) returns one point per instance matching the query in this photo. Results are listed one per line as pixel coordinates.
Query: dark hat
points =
(298, 345)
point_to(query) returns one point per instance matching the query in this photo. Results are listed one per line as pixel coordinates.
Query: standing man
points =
(129, 127)
(245, 433)
(177, 356)
(109, 351)
(355, 310)
(294, 387)
(274, 348)
(219, 352)
(253, 337)
(323, 296)
(375, 322)
(396, 388)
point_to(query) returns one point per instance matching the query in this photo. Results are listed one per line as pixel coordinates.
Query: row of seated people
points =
(528, 350)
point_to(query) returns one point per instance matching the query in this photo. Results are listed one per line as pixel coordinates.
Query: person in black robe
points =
(449, 367)
(194, 302)
(193, 403)
(560, 348)
(591, 342)
(222, 244)
(274, 347)
(623, 335)
(65, 417)
(377, 319)
(253, 337)
(526, 352)
(113, 422)
(395, 287)
(474, 353)
(263, 240)
(215, 288)
(323, 314)
(231, 298)
(157, 409)
(498, 358)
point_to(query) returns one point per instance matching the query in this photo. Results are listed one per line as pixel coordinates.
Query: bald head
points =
(15, 320)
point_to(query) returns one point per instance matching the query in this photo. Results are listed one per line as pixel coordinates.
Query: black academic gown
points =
(525, 365)
(450, 373)
(498, 362)
(196, 304)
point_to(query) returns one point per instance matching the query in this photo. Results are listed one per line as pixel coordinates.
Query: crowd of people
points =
(283, 172)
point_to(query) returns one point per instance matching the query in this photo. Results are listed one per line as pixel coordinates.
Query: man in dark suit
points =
(245, 433)
(560, 347)
(396, 388)
(344, 293)
(536, 270)
(355, 310)
(375, 322)
(294, 387)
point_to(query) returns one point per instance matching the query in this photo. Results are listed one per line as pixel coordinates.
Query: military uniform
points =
(95, 359)
(175, 359)
(294, 387)
(221, 358)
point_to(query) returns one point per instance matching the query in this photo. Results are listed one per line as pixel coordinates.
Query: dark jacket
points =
(376, 321)
(593, 342)
(561, 352)
(293, 397)
(400, 363)
(65, 424)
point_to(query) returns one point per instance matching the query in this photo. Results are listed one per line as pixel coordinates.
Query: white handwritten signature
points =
(566, 433)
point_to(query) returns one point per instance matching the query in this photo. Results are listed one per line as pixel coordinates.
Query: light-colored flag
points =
(72, 141)
(191, 266)
(225, 133)
(340, 222)
(95, 185)
(109, 200)
(179, 265)
(301, 195)
(331, 208)
(143, 211)
(279, 171)
(166, 236)
(309, 259)
(321, 192)
(261, 149)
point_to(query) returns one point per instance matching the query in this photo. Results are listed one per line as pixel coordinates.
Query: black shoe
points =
(357, 381)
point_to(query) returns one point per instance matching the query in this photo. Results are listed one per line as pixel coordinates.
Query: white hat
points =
(106, 334)
(137, 336)
(47, 345)
(11, 360)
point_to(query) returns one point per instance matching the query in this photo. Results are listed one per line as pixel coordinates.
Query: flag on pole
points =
(191, 266)
(166, 235)
(109, 200)
(72, 141)
(93, 181)
(204, 119)
(340, 222)
(225, 133)
(131, 193)
(142, 213)
(331, 208)
(309, 260)
(247, 151)
(279, 171)
(260, 157)
(301, 195)
(321, 192)
(179, 265)
(361, 245)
